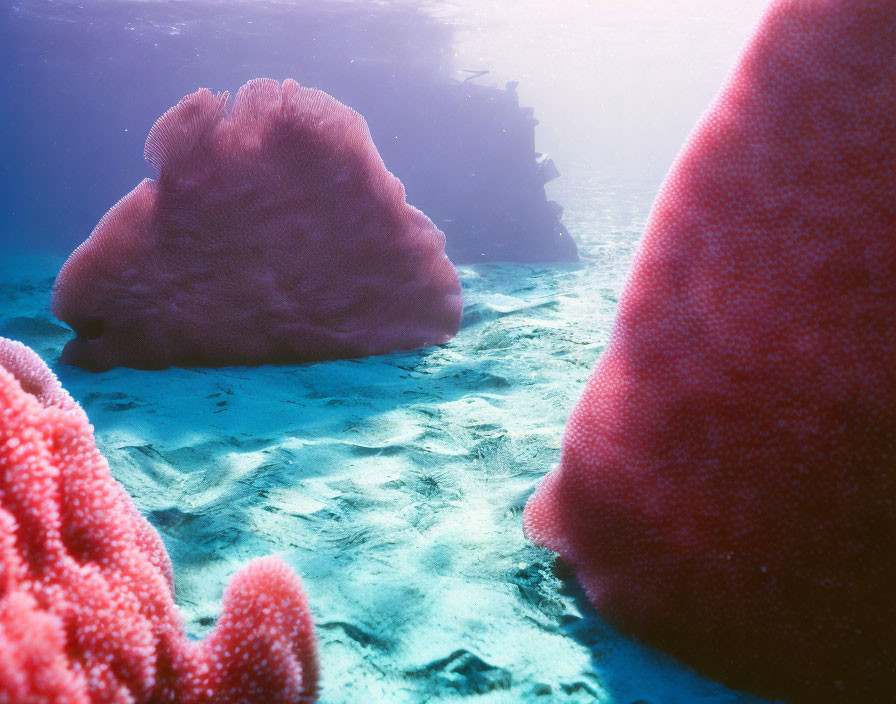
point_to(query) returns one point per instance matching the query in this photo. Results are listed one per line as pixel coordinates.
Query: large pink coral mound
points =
(727, 487)
(87, 612)
(274, 234)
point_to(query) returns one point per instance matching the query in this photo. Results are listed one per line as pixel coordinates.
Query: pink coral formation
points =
(87, 611)
(274, 234)
(726, 488)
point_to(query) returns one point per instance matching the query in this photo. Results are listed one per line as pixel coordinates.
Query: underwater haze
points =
(615, 86)
(535, 136)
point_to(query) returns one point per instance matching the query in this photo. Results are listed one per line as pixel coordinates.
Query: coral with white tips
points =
(87, 613)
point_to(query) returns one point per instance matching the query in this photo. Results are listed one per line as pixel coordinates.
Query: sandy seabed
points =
(393, 485)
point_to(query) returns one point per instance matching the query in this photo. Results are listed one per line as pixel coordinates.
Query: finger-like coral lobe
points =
(726, 487)
(87, 613)
(273, 234)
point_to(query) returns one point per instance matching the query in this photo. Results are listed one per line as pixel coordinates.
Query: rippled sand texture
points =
(393, 485)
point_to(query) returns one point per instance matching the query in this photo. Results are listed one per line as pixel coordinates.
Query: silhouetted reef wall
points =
(84, 83)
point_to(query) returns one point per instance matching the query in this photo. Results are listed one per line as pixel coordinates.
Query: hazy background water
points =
(616, 84)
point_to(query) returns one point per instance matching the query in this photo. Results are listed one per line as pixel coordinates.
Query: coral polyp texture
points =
(272, 234)
(87, 611)
(726, 488)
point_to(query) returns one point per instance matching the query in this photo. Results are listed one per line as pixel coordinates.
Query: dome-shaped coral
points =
(274, 234)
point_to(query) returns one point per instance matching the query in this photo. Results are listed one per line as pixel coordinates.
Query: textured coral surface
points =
(272, 234)
(726, 487)
(86, 591)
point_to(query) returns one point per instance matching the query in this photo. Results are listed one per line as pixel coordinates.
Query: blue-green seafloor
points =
(393, 485)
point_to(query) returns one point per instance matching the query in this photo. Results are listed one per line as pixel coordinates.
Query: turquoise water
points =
(393, 485)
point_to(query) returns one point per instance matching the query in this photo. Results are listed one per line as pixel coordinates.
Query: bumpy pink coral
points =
(727, 486)
(87, 610)
(274, 234)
